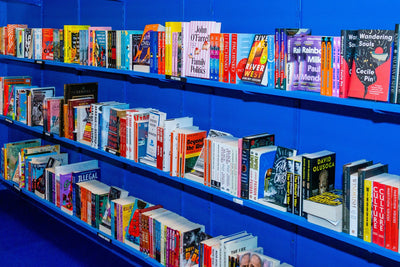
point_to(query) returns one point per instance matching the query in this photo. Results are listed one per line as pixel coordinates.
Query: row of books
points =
(76, 188)
(248, 167)
(370, 203)
(288, 59)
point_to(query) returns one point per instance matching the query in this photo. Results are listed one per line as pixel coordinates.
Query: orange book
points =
(192, 144)
(323, 65)
(11, 38)
(329, 67)
(47, 44)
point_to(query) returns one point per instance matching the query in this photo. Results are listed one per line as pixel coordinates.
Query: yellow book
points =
(367, 210)
(170, 27)
(71, 42)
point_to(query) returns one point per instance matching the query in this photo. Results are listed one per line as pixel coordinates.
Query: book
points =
(11, 156)
(47, 44)
(294, 58)
(36, 97)
(249, 142)
(310, 64)
(54, 114)
(276, 187)
(327, 205)
(100, 48)
(318, 173)
(141, 61)
(6, 90)
(394, 83)
(240, 48)
(71, 42)
(261, 163)
(257, 60)
(366, 176)
(197, 49)
(370, 77)
(284, 35)
(11, 38)
(348, 170)
(114, 193)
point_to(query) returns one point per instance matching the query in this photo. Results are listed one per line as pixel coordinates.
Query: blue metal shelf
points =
(29, 2)
(380, 107)
(95, 232)
(284, 216)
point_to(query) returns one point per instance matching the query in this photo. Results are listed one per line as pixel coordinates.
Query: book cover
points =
(141, 61)
(19, 36)
(91, 43)
(249, 142)
(71, 42)
(11, 38)
(293, 63)
(318, 173)
(114, 193)
(72, 104)
(327, 205)
(83, 47)
(56, 45)
(197, 50)
(100, 49)
(192, 147)
(11, 157)
(276, 186)
(284, 35)
(310, 64)
(257, 59)
(47, 44)
(370, 76)
(8, 92)
(54, 107)
(35, 104)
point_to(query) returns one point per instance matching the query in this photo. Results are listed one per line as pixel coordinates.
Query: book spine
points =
(388, 216)
(353, 211)
(297, 191)
(282, 54)
(394, 85)
(395, 219)
(323, 65)
(336, 66)
(233, 45)
(290, 186)
(346, 200)
(368, 198)
(277, 58)
(360, 203)
(217, 52)
(221, 58)
(159, 52)
(168, 49)
(245, 170)
(328, 66)
(226, 58)
(153, 51)
(378, 213)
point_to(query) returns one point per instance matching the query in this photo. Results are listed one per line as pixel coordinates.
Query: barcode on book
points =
(104, 237)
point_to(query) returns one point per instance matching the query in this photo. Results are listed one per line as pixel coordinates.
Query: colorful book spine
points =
(347, 49)
(394, 85)
(277, 57)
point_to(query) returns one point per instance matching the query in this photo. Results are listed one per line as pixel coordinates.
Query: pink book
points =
(197, 54)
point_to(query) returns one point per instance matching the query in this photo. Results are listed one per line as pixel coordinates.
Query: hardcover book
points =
(310, 64)
(318, 173)
(276, 187)
(197, 49)
(257, 60)
(370, 77)
(348, 170)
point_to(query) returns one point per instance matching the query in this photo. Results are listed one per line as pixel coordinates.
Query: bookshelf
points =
(353, 128)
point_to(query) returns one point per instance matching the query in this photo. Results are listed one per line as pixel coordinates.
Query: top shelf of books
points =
(380, 107)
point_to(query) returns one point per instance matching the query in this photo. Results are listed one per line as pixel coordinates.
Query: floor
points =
(30, 237)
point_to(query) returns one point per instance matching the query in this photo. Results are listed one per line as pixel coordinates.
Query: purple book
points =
(310, 65)
(336, 66)
(66, 193)
(293, 62)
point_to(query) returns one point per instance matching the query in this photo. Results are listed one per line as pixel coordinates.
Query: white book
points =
(169, 126)
(37, 40)
(156, 118)
(236, 245)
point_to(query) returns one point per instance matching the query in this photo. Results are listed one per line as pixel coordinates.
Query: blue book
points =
(83, 47)
(77, 177)
(126, 48)
(265, 164)
(153, 52)
(100, 49)
(132, 236)
(271, 61)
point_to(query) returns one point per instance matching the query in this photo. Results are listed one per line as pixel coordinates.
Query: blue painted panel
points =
(199, 10)
(257, 16)
(329, 19)
(21, 69)
(196, 207)
(57, 77)
(20, 13)
(139, 14)
(56, 15)
(93, 13)
(3, 13)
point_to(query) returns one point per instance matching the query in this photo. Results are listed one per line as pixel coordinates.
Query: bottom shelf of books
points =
(151, 233)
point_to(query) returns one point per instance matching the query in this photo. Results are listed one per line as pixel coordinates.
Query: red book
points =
(225, 78)
(347, 46)
(160, 147)
(378, 214)
(395, 219)
(232, 68)
(142, 224)
(47, 44)
(388, 217)
(122, 136)
(371, 71)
